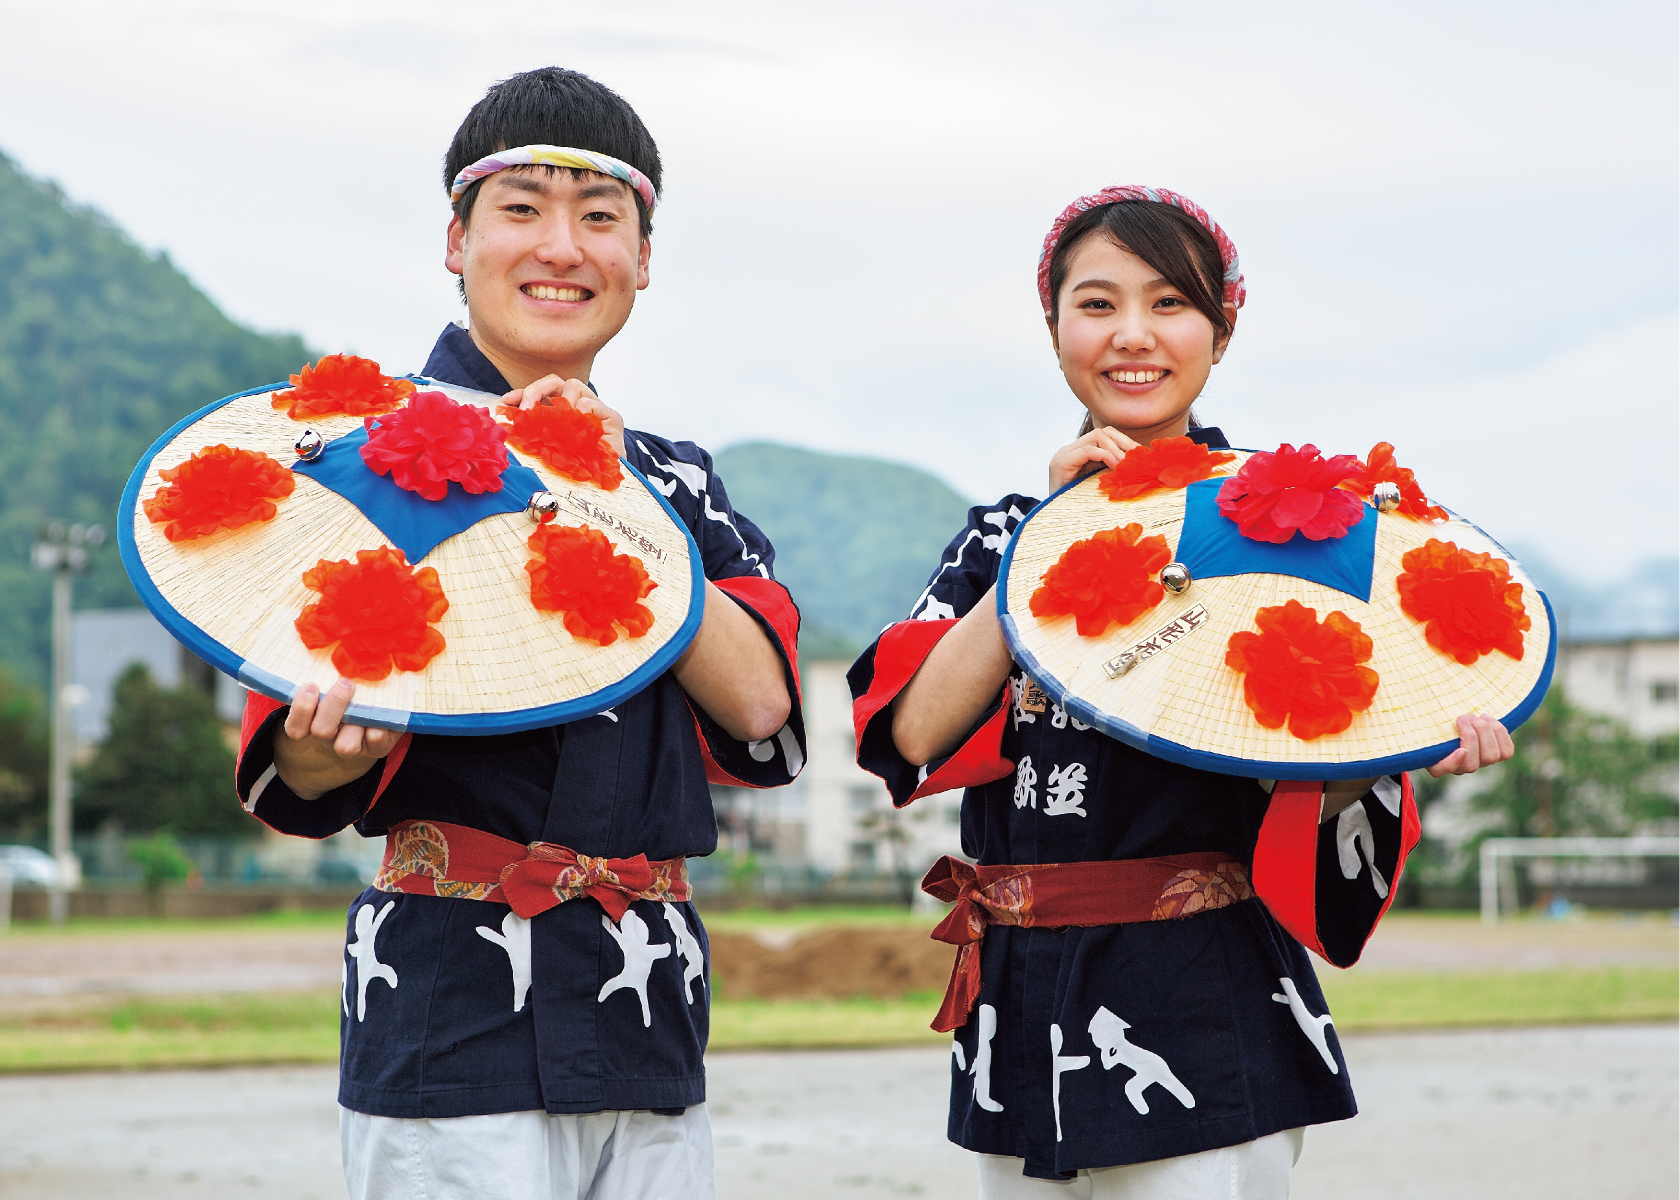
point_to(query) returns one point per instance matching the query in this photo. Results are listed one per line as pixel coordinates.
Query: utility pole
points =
(63, 552)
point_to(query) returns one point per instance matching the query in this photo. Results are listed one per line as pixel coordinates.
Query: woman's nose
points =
(1133, 331)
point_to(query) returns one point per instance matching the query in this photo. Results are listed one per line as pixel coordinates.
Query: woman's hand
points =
(579, 396)
(1103, 446)
(315, 751)
(1482, 741)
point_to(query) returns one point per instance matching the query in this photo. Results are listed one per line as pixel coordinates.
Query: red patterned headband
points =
(1235, 292)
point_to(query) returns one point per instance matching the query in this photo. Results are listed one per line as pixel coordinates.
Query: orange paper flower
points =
(573, 443)
(1299, 670)
(341, 385)
(1379, 467)
(577, 573)
(1164, 463)
(1104, 580)
(218, 488)
(1468, 602)
(377, 610)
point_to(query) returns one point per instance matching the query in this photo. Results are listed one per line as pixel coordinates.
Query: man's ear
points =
(454, 257)
(1221, 341)
(642, 263)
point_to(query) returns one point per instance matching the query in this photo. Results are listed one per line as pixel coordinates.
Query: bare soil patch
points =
(830, 964)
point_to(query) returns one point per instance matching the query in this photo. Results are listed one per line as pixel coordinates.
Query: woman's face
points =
(1132, 347)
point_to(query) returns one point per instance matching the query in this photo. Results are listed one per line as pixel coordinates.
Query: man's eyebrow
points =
(607, 187)
(521, 182)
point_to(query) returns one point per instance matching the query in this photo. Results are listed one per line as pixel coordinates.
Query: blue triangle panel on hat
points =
(414, 524)
(1211, 545)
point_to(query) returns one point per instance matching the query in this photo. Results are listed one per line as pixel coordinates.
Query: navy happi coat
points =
(1175, 1036)
(437, 1020)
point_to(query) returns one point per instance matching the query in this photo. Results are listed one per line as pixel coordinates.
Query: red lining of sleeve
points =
(899, 654)
(772, 602)
(1286, 860)
(978, 760)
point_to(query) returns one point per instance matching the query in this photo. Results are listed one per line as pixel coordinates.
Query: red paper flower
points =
(1276, 494)
(342, 385)
(218, 488)
(577, 573)
(377, 610)
(432, 442)
(1380, 467)
(1302, 671)
(1469, 603)
(1104, 580)
(1164, 463)
(569, 441)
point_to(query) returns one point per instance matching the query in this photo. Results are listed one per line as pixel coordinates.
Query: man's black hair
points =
(551, 106)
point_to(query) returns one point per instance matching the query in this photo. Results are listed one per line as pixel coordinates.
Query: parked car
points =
(29, 866)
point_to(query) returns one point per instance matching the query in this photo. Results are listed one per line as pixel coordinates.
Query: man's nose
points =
(559, 244)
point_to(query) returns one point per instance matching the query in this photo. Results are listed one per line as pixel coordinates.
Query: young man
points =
(485, 1054)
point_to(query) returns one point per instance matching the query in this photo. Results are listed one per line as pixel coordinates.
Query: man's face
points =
(552, 265)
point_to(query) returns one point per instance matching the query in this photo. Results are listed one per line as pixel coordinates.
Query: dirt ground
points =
(43, 970)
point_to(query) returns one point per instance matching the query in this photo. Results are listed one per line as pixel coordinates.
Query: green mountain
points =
(102, 347)
(855, 538)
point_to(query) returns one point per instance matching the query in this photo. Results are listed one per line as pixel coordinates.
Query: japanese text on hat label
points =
(617, 524)
(1162, 639)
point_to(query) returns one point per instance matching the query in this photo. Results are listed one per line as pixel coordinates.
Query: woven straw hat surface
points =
(1186, 697)
(244, 588)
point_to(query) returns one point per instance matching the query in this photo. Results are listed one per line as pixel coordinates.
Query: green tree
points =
(23, 759)
(163, 765)
(162, 862)
(1578, 773)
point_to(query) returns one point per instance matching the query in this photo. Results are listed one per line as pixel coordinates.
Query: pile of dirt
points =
(830, 964)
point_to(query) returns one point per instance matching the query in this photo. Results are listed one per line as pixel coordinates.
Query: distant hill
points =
(1643, 602)
(102, 347)
(856, 538)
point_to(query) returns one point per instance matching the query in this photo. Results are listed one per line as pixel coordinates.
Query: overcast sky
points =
(1458, 220)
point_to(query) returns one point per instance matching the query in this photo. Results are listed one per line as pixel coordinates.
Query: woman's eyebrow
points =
(1154, 285)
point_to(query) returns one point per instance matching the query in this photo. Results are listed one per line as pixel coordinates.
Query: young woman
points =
(1143, 1056)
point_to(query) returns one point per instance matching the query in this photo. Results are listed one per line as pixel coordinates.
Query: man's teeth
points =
(1135, 376)
(539, 291)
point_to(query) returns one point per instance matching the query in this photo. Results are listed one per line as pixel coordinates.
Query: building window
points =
(1665, 691)
(863, 856)
(861, 799)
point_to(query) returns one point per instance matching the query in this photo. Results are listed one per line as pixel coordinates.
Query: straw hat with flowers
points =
(1277, 614)
(474, 568)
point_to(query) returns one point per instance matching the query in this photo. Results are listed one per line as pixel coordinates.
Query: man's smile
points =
(545, 291)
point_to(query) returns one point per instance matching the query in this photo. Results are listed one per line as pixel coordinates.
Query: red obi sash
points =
(1118, 892)
(431, 858)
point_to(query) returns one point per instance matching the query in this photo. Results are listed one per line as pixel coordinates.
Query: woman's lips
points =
(1149, 375)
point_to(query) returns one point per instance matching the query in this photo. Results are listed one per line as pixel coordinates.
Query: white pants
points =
(529, 1156)
(1257, 1170)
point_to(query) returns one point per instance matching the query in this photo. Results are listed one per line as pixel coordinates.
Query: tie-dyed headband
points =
(1235, 292)
(556, 156)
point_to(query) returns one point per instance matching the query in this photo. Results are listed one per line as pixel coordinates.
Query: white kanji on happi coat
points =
(631, 934)
(1059, 719)
(985, 1030)
(1109, 1033)
(368, 966)
(1059, 1066)
(515, 939)
(1313, 1027)
(694, 961)
(1018, 697)
(1025, 777)
(1353, 825)
(1064, 791)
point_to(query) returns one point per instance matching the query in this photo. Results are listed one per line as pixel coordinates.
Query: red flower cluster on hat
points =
(342, 385)
(577, 573)
(1468, 602)
(218, 488)
(1164, 463)
(571, 442)
(432, 442)
(1379, 467)
(1103, 580)
(377, 610)
(1275, 494)
(1303, 671)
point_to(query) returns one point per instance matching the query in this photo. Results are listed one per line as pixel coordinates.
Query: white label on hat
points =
(1163, 638)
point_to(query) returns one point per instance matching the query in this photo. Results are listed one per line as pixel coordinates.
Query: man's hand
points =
(578, 395)
(315, 752)
(1103, 446)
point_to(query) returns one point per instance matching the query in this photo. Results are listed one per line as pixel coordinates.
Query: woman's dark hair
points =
(551, 106)
(1168, 239)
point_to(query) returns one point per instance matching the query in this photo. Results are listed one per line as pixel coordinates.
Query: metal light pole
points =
(63, 552)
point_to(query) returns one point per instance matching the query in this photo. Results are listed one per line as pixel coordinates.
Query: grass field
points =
(242, 1030)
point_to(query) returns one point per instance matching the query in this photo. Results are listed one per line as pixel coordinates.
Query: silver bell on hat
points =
(1386, 496)
(543, 506)
(1175, 577)
(309, 445)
